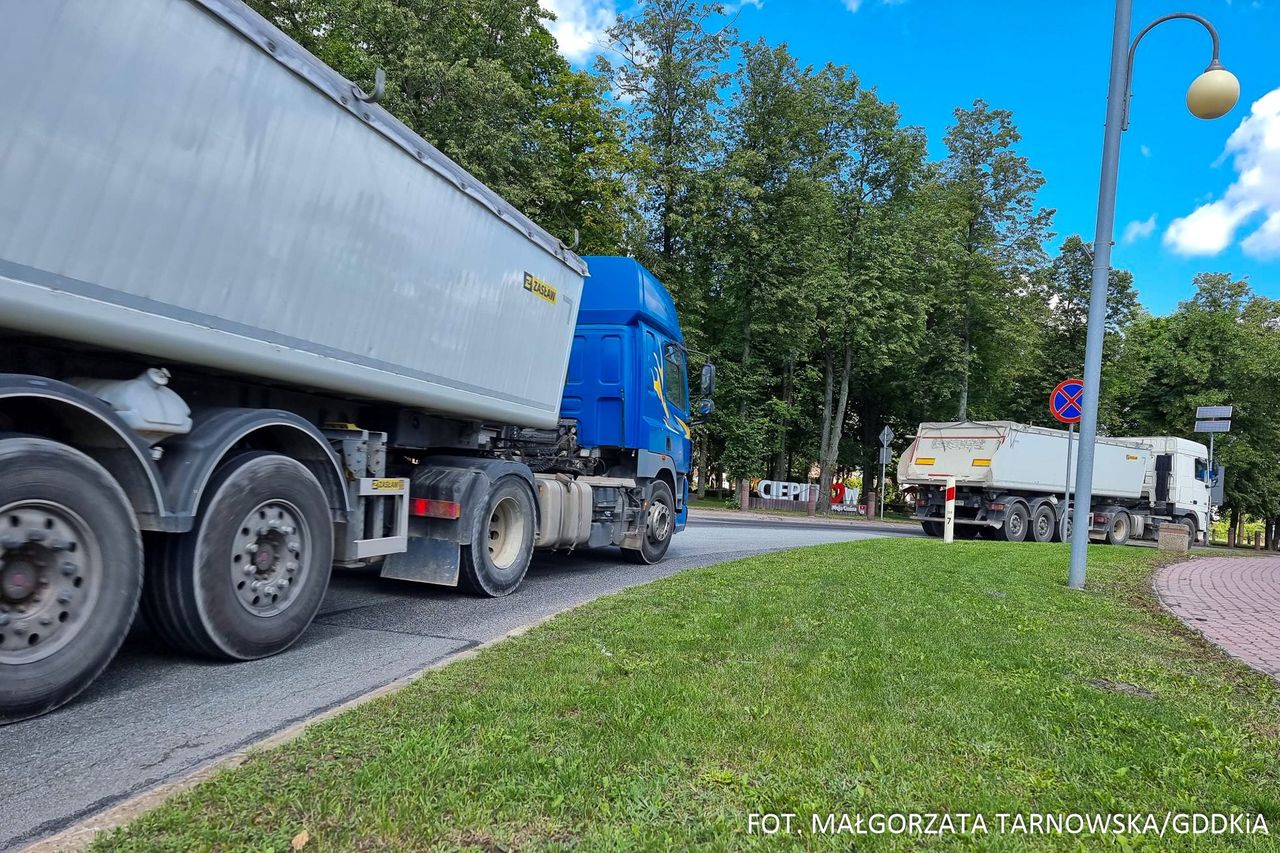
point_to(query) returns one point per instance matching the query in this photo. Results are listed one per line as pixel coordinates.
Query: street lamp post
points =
(1211, 95)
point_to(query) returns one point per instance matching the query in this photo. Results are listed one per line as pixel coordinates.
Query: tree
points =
(1062, 306)
(1222, 346)
(667, 63)
(1001, 239)
(872, 314)
(774, 246)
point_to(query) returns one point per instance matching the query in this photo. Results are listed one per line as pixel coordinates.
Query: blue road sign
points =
(1065, 403)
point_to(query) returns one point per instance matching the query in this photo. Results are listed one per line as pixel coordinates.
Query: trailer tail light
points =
(1100, 518)
(922, 502)
(423, 508)
(997, 506)
(982, 463)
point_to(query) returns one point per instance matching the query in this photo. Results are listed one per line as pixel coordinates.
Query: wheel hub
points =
(48, 567)
(1043, 526)
(659, 521)
(18, 580)
(269, 557)
(506, 539)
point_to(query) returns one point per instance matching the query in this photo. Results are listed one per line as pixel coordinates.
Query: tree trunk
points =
(1232, 518)
(831, 441)
(964, 366)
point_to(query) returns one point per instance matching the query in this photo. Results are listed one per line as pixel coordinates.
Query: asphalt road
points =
(155, 716)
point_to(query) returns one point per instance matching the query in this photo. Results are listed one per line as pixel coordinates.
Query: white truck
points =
(1011, 480)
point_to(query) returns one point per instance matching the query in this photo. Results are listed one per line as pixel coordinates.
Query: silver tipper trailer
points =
(1011, 480)
(246, 311)
(242, 178)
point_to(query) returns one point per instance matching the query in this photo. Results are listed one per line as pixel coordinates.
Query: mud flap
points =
(433, 561)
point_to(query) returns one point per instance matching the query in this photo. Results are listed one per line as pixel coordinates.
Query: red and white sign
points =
(1066, 403)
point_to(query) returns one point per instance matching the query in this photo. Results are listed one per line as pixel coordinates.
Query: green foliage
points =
(1222, 346)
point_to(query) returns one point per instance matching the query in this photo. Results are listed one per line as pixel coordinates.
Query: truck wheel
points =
(248, 580)
(660, 526)
(501, 546)
(1044, 523)
(1016, 523)
(1118, 530)
(70, 574)
(1192, 528)
(932, 528)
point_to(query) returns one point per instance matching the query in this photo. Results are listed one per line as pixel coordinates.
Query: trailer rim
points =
(271, 553)
(50, 571)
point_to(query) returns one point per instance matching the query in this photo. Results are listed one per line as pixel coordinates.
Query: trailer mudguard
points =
(190, 460)
(34, 405)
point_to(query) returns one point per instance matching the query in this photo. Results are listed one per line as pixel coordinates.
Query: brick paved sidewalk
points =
(1233, 601)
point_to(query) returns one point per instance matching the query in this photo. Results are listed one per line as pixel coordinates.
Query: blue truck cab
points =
(627, 384)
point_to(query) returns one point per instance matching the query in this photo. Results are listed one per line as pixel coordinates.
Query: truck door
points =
(666, 403)
(1164, 467)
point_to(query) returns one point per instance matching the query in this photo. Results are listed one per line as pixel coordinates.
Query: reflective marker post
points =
(949, 514)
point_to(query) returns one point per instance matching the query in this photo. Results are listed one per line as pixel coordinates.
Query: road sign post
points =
(886, 436)
(1212, 420)
(1065, 404)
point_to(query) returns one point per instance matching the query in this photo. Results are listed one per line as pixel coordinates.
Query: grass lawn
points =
(880, 676)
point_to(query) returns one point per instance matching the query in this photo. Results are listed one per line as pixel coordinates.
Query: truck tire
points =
(501, 546)
(660, 526)
(1192, 528)
(1044, 523)
(932, 528)
(1017, 521)
(1119, 529)
(248, 579)
(70, 574)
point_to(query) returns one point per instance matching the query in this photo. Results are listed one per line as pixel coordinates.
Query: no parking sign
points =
(1065, 403)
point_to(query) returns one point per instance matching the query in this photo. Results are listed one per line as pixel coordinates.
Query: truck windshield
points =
(675, 383)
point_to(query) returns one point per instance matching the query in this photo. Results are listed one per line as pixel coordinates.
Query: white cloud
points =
(579, 26)
(855, 5)
(1139, 229)
(1254, 148)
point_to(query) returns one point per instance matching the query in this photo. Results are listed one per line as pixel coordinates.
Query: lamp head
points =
(1214, 93)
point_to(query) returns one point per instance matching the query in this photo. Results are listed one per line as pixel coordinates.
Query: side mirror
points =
(705, 408)
(708, 381)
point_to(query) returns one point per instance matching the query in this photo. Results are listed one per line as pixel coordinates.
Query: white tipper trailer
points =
(1011, 480)
(251, 327)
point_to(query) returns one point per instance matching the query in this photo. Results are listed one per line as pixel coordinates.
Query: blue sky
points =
(1194, 195)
